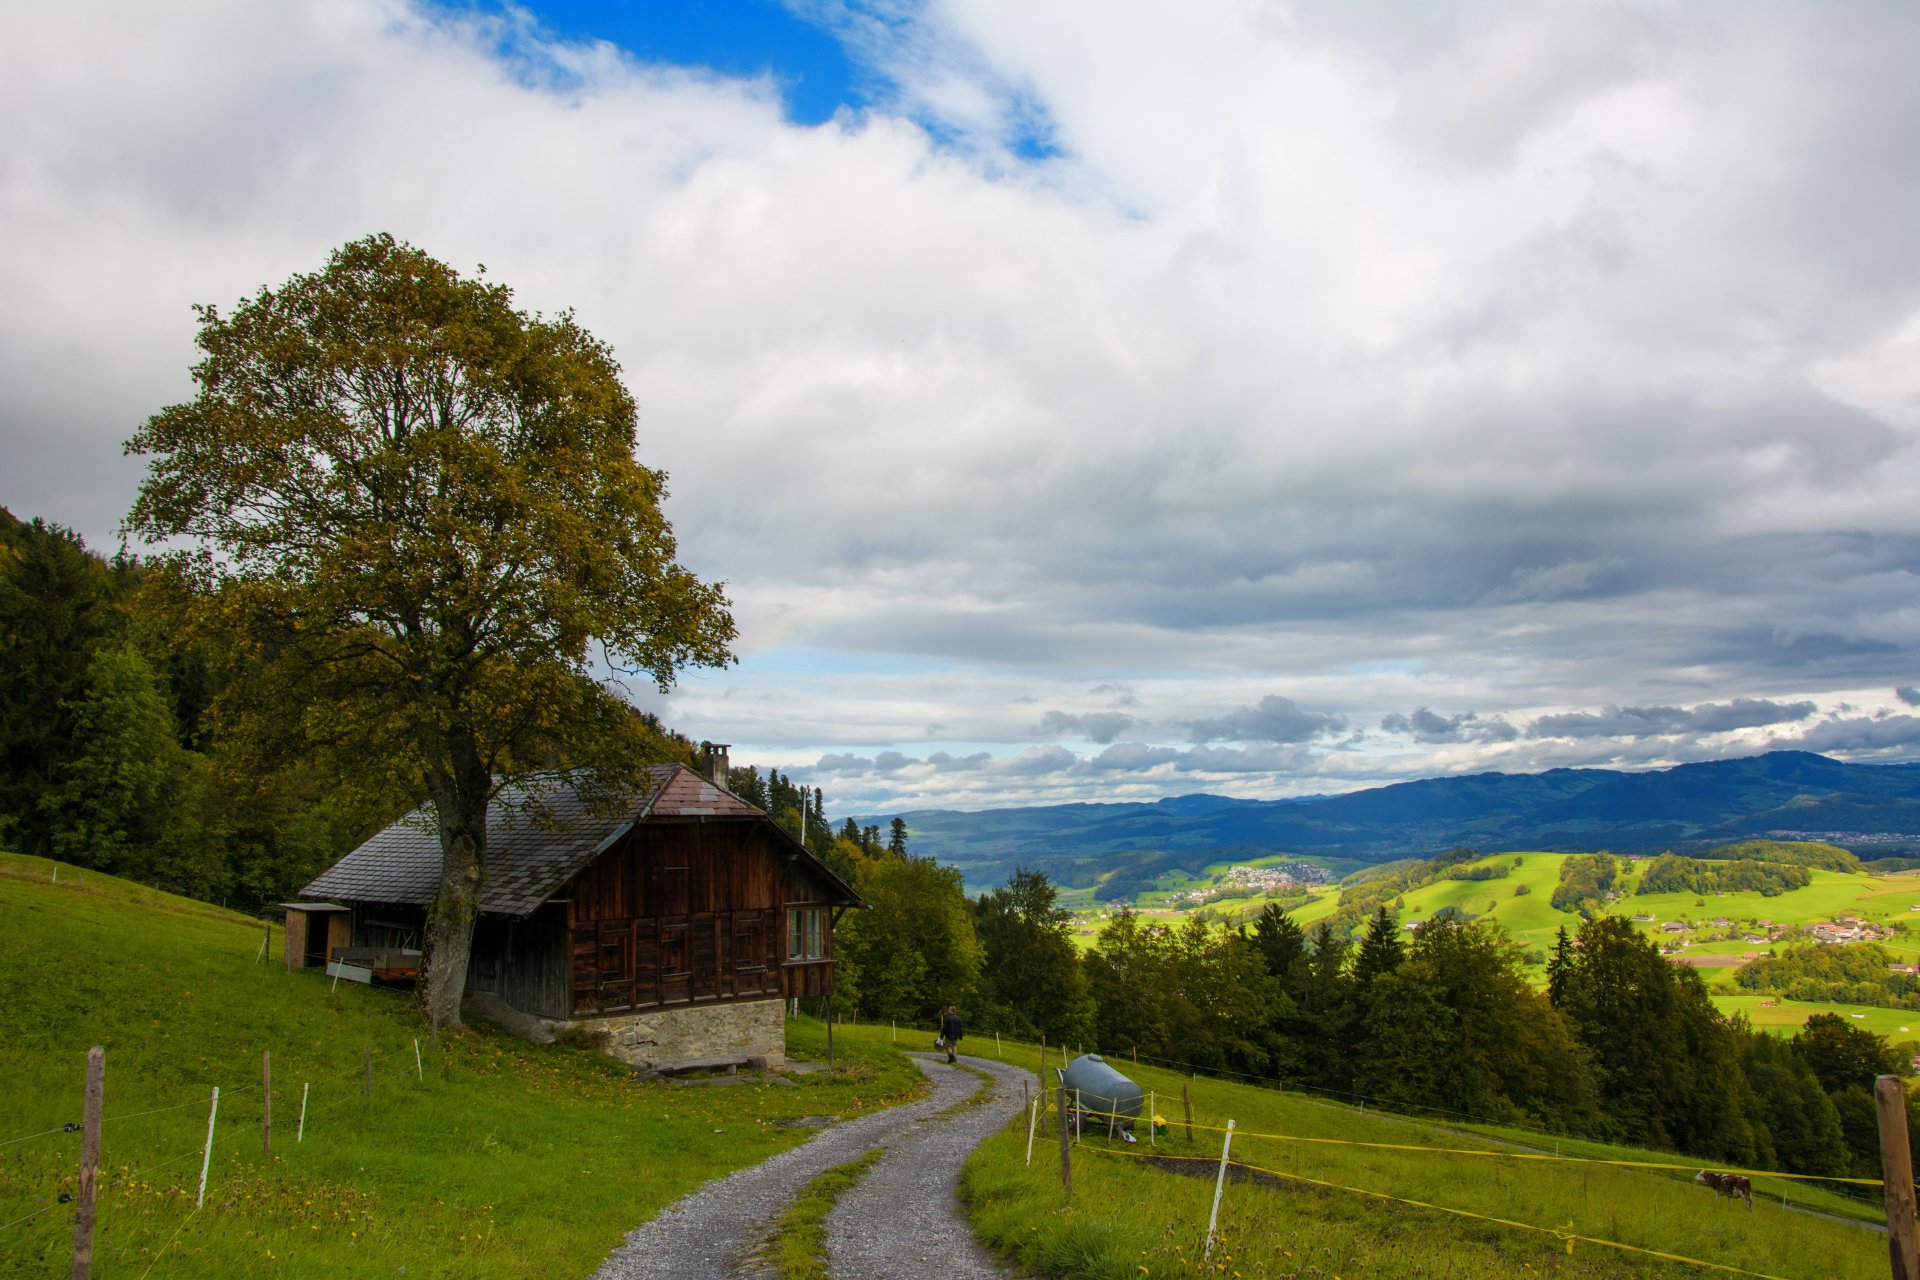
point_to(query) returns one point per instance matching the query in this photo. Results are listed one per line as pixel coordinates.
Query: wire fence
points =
(1080, 1120)
(223, 1126)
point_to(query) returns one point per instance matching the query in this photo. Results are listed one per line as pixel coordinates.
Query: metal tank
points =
(1107, 1099)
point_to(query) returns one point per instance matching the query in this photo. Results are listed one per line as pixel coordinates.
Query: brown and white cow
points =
(1731, 1185)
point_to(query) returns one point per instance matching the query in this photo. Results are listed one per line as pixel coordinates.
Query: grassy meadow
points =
(1532, 920)
(1130, 1217)
(495, 1158)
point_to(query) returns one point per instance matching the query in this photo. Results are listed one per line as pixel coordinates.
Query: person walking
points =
(951, 1031)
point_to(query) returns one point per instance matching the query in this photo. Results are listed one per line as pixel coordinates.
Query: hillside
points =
(1872, 808)
(493, 1158)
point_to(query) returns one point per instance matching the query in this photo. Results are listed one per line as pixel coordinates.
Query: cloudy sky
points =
(1102, 399)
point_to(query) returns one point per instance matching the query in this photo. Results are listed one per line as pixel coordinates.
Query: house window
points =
(806, 933)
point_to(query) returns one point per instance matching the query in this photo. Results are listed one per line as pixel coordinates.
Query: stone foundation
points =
(753, 1029)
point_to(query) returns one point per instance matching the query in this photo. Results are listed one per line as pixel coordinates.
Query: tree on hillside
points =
(109, 802)
(421, 536)
(1279, 939)
(1031, 981)
(1381, 950)
(916, 951)
(897, 838)
(57, 604)
(1559, 966)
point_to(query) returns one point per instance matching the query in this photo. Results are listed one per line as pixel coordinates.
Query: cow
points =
(1729, 1185)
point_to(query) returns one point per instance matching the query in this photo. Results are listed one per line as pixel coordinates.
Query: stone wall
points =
(753, 1029)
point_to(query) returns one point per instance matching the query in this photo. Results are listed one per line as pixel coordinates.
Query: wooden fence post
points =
(266, 1103)
(1186, 1100)
(89, 1165)
(206, 1154)
(1896, 1167)
(301, 1135)
(1066, 1148)
(1219, 1185)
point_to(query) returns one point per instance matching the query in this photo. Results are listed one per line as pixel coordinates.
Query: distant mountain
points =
(1873, 809)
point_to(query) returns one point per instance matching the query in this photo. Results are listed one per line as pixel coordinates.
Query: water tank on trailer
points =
(1103, 1091)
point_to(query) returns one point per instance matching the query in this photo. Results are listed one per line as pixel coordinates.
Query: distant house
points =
(1721, 922)
(1673, 926)
(672, 928)
(1752, 937)
(1645, 919)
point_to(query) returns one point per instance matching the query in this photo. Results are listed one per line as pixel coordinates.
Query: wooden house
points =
(674, 927)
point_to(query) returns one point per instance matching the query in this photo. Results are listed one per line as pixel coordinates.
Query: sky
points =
(1100, 399)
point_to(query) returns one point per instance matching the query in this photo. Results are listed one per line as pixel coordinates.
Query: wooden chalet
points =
(687, 898)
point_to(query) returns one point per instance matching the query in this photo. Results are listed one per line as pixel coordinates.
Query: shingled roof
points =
(529, 853)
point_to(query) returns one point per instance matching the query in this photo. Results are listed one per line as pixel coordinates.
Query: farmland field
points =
(1532, 920)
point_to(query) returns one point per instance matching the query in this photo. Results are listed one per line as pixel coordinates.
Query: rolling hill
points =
(1873, 809)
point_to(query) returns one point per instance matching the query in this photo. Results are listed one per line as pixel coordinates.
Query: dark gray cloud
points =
(1272, 719)
(1425, 725)
(1858, 735)
(1908, 694)
(1095, 726)
(1650, 722)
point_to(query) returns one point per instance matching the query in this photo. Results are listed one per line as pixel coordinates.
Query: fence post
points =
(1079, 1117)
(1033, 1116)
(1066, 1148)
(266, 1103)
(419, 1073)
(1153, 1128)
(366, 1051)
(206, 1155)
(89, 1165)
(1186, 1100)
(301, 1135)
(1219, 1185)
(1896, 1167)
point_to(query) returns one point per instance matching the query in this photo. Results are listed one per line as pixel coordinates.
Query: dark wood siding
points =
(679, 913)
(524, 962)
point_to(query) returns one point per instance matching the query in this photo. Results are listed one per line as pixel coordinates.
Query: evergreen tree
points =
(1559, 967)
(56, 607)
(1279, 939)
(1031, 979)
(897, 838)
(1381, 951)
(109, 803)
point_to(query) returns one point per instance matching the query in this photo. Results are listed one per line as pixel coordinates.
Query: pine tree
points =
(1381, 951)
(897, 838)
(1279, 939)
(1559, 967)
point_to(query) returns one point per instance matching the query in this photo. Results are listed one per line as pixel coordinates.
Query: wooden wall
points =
(524, 962)
(683, 913)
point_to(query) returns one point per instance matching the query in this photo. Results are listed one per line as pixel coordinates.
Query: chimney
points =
(713, 762)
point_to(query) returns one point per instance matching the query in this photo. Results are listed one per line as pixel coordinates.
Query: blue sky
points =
(738, 38)
(1102, 399)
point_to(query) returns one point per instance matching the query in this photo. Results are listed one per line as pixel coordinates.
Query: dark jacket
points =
(950, 1028)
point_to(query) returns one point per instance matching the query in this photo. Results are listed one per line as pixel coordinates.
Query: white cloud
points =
(1353, 358)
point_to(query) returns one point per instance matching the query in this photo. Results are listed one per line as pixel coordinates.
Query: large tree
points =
(409, 518)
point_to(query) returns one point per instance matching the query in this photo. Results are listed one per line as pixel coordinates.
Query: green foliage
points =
(1585, 881)
(1799, 853)
(1666, 1062)
(1193, 993)
(1857, 973)
(107, 805)
(916, 951)
(1031, 979)
(1671, 874)
(1458, 1028)
(1381, 950)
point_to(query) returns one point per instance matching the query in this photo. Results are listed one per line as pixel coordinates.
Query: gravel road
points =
(904, 1217)
(706, 1233)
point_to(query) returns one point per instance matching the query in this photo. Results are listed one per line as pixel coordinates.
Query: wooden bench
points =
(732, 1063)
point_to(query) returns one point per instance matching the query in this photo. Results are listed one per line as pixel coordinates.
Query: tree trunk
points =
(460, 797)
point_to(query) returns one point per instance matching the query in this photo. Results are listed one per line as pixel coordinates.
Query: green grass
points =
(1128, 1218)
(506, 1159)
(799, 1245)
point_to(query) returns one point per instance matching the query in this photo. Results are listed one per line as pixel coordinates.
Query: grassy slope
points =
(1126, 1219)
(1532, 920)
(507, 1159)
